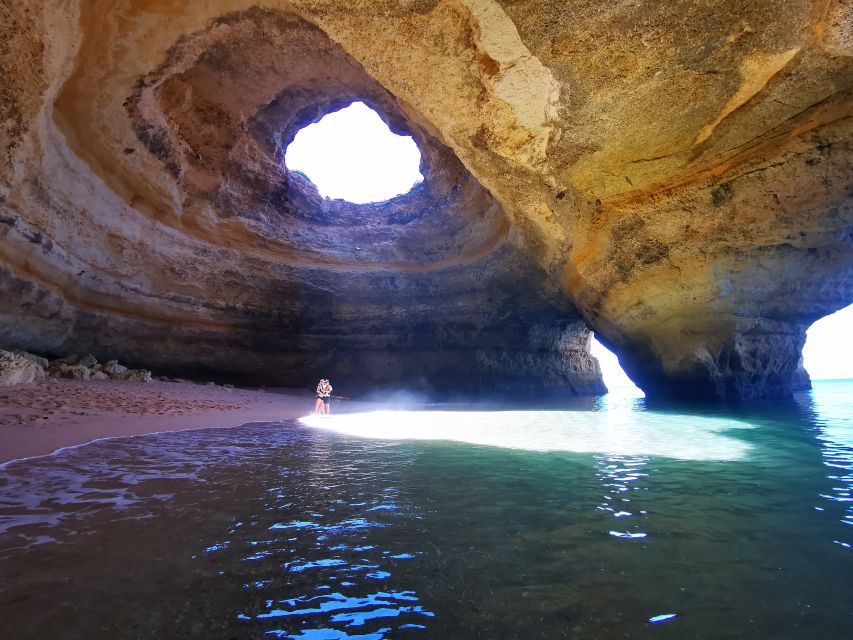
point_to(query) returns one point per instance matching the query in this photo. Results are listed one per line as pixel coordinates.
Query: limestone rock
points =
(762, 361)
(16, 369)
(41, 362)
(515, 371)
(88, 361)
(114, 369)
(802, 380)
(674, 176)
(133, 375)
(72, 372)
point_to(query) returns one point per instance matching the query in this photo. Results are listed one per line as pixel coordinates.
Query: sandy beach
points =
(36, 419)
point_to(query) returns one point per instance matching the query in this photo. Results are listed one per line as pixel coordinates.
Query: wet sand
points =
(36, 419)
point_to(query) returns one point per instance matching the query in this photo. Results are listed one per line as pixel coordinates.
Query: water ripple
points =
(274, 530)
(834, 409)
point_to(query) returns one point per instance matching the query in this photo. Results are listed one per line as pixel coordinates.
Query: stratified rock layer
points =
(675, 176)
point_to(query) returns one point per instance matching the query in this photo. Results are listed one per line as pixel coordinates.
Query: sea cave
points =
(672, 182)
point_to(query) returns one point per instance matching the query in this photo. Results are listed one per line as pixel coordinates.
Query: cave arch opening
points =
(828, 351)
(351, 154)
(615, 378)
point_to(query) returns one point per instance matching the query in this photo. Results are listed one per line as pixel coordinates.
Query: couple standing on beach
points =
(323, 403)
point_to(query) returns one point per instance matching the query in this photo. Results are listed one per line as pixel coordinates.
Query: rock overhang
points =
(211, 256)
(679, 182)
(221, 111)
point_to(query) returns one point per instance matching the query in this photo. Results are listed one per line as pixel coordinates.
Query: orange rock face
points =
(676, 178)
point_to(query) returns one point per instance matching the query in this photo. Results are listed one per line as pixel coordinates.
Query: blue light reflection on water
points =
(325, 556)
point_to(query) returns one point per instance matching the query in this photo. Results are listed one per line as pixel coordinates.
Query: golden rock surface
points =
(675, 176)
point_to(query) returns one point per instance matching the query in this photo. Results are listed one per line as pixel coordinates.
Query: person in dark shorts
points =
(323, 403)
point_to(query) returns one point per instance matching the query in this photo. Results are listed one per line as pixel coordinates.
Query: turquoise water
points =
(606, 520)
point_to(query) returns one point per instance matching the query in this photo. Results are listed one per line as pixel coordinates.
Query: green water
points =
(584, 523)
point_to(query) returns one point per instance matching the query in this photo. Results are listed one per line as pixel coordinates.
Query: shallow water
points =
(584, 523)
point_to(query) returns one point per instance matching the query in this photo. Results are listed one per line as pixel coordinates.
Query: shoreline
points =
(42, 418)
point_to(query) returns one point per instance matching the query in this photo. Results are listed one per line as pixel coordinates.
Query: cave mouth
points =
(828, 351)
(352, 155)
(614, 376)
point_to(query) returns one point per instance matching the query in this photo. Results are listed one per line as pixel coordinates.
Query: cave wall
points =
(183, 244)
(675, 176)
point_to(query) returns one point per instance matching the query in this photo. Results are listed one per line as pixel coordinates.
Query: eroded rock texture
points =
(675, 176)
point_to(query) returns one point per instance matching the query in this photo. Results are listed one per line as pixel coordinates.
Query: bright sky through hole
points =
(614, 377)
(352, 155)
(828, 352)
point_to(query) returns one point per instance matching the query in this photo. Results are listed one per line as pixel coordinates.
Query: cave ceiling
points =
(674, 176)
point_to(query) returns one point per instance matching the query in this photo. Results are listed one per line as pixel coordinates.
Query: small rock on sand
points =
(70, 371)
(16, 369)
(132, 375)
(42, 362)
(88, 361)
(113, 368)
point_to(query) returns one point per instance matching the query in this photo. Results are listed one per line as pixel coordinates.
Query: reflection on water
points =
(616, 522)
(686, 437)
(620, 476)
(330, 550)
(246, 543)
(833, 407)
(51, 494)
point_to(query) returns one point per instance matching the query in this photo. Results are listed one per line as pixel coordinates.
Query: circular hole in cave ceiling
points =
(352, 155)
(224, 124)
